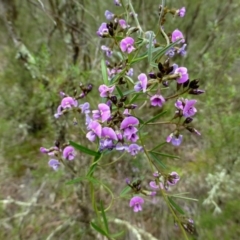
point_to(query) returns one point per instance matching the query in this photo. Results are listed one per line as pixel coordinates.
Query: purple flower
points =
(128, 126)
(123, 24)
(51, 151)
(106, 144)
(153, 185)
(69, 153)
(136, 203)
(182, 50)
(181, 12)
(142, 84)
(189, 110)
(68, 102)
(126, 45)
(104, 112)
(109, 15)
(109, 133)
(103, 30)
(173, 178)
(170, 53)
(95, 130)
(176, 34)
(183, 74)
(174, 139)
(157, 100)
(133, 149)
(44, 150)
(54, 164)
(105, 91)
(130, 72)
(107, 50)
(117, 3)
(85, 107)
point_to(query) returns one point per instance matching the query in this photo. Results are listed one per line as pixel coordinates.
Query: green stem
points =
(161, 28)
(135, 17)
(174, 214)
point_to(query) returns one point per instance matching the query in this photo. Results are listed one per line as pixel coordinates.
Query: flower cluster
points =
(58, 154)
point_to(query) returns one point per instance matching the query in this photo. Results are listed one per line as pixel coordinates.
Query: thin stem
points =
(174, 214)
(135, 17)
(160, 123)
(161, 27)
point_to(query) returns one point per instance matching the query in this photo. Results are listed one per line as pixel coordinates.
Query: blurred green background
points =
(50, 46)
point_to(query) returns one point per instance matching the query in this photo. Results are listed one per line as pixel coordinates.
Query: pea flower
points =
(175, 140)
(123, 24)
(126, 45)
(136, 203)
(153, 185)
(157, 100)
(128, 126)
(176, 34)
(189, 110)
(133, 149)
(181, 12)
(109, 15)
(173, 178)
(184, 74)
(117, 3)
(142, 84)
(105, 91)
(107, 50)
(69, 153)
(103, 112)
(103, 30)
(108, 137)
(85, 108)
(54, 164)
(95, 131)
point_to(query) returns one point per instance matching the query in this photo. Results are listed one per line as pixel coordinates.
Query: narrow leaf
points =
(164, 154)
(159, 145)
(94, 165)
(176, 206)
(158, 161)
(84, 149)
(125, 191)
(119, 91)
(98, 229)
(150, 48)
(104, 217)
(155, 117)
(164, 50)
(104, 72)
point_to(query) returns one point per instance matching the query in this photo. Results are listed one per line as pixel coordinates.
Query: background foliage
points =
(51, 46)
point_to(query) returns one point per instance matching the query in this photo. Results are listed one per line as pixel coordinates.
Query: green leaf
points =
(155, 117)
(119, 91)
(157, 160)
(104, 72)
(98, 229)
(185, 198)
(119, 234)
(125, 191)
(84, 149)
(150, 48)
(177, 207)
(104, 217)
(164, 50)
(94, 165)
(129, 79)
(145, 55)
(164, 154)
(77, 180)
(159, 145)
